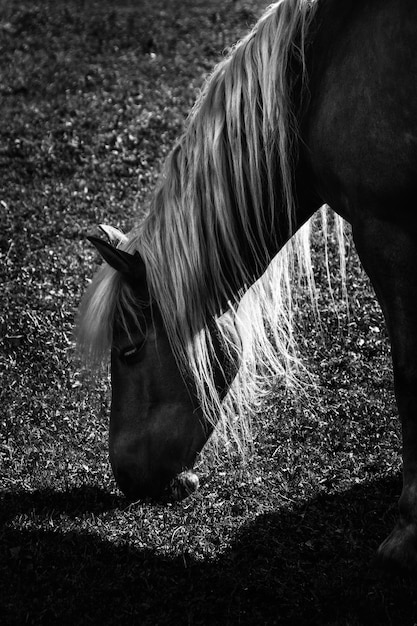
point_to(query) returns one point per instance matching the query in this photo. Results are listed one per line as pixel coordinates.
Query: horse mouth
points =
(183, 485)
(178, 488)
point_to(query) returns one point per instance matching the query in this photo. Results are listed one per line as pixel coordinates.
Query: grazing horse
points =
(317, 104)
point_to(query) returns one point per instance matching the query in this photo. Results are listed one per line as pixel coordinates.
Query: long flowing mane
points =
(218, 200)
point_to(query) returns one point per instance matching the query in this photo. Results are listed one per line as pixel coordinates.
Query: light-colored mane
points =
(223, 187)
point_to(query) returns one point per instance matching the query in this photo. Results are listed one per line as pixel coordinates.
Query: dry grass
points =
(92, 96)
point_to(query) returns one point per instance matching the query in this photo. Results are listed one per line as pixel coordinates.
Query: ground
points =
(92, 96)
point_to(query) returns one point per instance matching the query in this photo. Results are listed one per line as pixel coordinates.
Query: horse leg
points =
(388, 253)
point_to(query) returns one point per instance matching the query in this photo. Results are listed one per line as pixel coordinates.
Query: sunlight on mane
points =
(220, 194)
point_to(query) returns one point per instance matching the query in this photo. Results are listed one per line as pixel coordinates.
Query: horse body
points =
(362, 134)
(362, 127)
(352, 92)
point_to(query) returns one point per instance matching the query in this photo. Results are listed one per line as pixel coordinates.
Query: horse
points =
(316, 105)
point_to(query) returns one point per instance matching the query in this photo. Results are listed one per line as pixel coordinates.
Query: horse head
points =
(157, 427)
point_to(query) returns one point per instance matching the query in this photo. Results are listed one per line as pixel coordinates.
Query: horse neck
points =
(306, 202)
(231, 196)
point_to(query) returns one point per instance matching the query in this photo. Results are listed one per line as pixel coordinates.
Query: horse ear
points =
(114, 235)
(131, 265)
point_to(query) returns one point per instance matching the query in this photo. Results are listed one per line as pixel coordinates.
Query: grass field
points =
(92, 96)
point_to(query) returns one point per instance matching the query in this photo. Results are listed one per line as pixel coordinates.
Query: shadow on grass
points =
(310, 565)
(71, 502)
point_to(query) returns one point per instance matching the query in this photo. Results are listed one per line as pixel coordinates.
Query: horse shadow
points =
(308, 565)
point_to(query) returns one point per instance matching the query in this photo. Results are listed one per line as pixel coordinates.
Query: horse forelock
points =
(108, 300)
(96, 314)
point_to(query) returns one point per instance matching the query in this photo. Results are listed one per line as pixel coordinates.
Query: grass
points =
(92, 96)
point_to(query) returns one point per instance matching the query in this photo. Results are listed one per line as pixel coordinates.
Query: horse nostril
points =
(184, 485)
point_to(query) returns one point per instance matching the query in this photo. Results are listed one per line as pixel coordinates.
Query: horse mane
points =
(229, 177)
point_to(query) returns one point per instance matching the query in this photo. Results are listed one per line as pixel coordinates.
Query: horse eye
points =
(129, 354)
